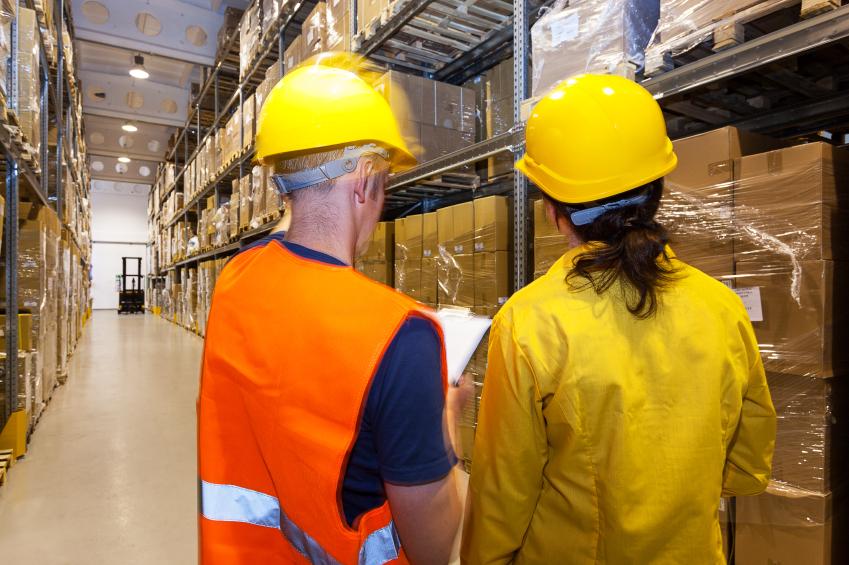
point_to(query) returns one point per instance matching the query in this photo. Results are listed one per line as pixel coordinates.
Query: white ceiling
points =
(104, 136)
(108, 168)
(108, 35)
(115, 187)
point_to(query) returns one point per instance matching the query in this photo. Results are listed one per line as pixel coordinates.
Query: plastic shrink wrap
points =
(684, 24)
(590, 36)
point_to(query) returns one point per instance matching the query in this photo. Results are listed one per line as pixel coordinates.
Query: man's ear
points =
(361, 179)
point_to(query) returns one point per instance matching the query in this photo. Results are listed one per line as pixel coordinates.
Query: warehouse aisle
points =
(111, 476)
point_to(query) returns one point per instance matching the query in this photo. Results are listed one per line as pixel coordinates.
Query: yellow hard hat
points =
(318, 107)
(596, 136)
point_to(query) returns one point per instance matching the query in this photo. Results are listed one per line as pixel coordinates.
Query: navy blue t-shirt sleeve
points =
(405, 408)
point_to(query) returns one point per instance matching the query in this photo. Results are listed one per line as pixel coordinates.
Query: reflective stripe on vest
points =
(230, 503)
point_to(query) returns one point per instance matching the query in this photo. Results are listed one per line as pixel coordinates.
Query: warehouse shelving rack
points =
(703, 92)
(38, 179)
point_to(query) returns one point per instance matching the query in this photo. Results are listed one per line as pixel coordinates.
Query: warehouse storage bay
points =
(141, 193)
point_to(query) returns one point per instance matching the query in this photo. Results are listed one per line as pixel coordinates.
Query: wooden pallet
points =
(724, 33)
(6, 461)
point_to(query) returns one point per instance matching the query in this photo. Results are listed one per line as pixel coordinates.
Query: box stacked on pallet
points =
(595, 36)
(249, 38)
(28, 61)
(38, 292)
(368, 14)
(435, 118)
(377, 262)
(686, 24)
(773, 225)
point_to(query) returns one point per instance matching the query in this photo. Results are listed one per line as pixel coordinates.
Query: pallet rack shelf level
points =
(30, 176)
(805, 35)
(245, 87)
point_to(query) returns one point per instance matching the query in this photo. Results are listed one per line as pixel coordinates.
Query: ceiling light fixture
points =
(138, 70)
(124, 159)
(130, 127)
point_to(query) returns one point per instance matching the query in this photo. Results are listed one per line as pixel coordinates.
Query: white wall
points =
(115, 218)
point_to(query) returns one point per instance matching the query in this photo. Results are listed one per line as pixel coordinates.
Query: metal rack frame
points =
(57, 95)
(824, 29)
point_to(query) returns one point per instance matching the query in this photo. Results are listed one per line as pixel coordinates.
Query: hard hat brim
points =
(562, 191)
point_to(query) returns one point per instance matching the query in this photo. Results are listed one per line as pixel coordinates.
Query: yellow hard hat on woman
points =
(321, 106)
(596, 136)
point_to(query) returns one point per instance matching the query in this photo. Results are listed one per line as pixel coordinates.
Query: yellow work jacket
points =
(603, 438)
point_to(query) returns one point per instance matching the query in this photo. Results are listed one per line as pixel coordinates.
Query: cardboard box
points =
(430, 235)
(294, 54)
(338, 19)
(464, 228)
(24, 332)
(429, 280)
(400, 239)
(456, 275)
(789, 199)
(698, 203)
(411, 278)
(549, 244)
(492, 224)
(382, 242)
(368, 10)
(784, 526)
(413, 236)
(314, 30)
(245, 202)
(492, 278)
(803, 318)
(248, 122)
(445, 228)
(811, 432)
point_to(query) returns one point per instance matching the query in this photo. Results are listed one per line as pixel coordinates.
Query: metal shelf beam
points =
(210, 187)
(229, 248)
(794, 39)
(466, 156)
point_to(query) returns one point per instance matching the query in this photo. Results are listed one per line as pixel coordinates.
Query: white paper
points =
(565, 29)
(463, 333)
(751, 297)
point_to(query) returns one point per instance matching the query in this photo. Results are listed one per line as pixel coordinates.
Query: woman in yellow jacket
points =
(625, 393)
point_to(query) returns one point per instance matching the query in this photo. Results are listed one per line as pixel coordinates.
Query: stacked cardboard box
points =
(377, 260)
(258, 192)
(245, 202)
(435, 118)
(457, 256)
(597, 36)
(368, 13)
(549, 243)
(249, 37)
(28, 61)
(683, 24)
(235, 203)
(773, 225)
(698, 203)
(273, 11)
(497, 107)
(38, 290)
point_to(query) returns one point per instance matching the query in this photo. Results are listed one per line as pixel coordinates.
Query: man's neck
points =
(332, 246)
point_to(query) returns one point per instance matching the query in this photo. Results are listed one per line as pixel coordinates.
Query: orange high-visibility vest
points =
(291, 348)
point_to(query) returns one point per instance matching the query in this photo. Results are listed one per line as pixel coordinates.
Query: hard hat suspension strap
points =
(289, 182)
(589, 215)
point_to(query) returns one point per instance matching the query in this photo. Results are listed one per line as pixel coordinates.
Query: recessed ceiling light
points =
(138, 70)
(124, 159)
(130, 127)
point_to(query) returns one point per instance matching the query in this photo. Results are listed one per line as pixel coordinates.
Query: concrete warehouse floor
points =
(110, 476)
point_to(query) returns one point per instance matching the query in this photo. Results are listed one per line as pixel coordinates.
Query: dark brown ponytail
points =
(632, 247)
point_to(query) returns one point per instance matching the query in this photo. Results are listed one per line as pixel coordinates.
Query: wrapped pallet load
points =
(590, 36)
(772, 225)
